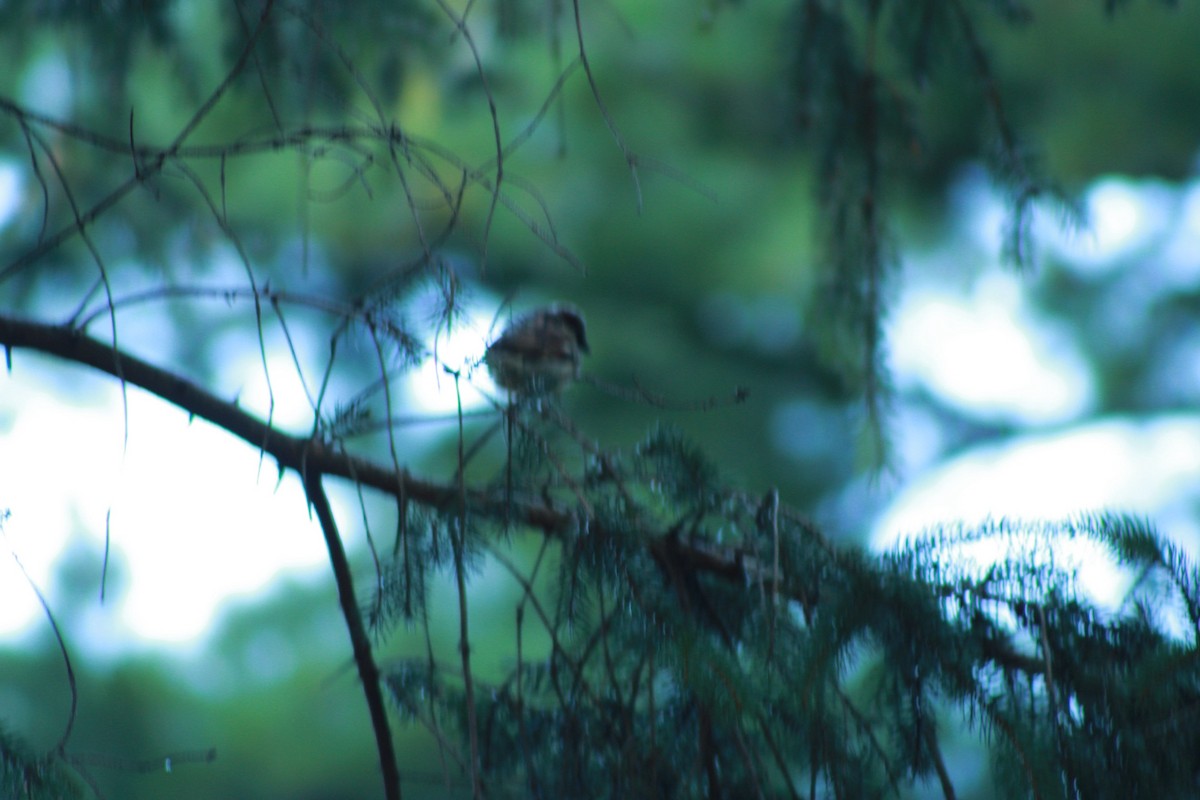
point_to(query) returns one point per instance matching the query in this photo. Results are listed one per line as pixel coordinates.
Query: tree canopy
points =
(629, 588)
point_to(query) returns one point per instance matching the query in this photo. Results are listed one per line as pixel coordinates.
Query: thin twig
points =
(939, 763)
(458, 541)
(59, 747)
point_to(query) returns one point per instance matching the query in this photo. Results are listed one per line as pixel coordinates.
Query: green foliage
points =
(1107, 703)
(687, 659)
(26, 776)
(674, 636)
(674, 468)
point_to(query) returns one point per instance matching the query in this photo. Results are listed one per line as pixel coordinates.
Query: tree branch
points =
(368, 671)
(302, 454)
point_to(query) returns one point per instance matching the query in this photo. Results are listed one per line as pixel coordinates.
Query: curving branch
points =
(311, 458)
(368, 670)
(302, 454)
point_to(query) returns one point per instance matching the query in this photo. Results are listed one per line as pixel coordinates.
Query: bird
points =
(539, 353)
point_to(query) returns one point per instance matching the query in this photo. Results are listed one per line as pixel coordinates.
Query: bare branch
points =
(368, 671)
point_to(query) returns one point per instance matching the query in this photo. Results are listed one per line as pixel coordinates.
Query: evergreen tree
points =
(674, 635)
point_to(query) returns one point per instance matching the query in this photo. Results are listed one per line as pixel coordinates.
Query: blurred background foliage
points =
(698, 276)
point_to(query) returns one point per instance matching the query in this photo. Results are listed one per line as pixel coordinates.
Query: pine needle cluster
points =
(703, 642)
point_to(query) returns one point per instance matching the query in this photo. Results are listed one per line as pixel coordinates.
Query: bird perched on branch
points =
(539, 353)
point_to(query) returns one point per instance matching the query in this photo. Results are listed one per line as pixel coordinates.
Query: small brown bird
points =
(539, 353)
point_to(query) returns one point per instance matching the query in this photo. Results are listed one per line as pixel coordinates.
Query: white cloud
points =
(983, 353)
(1140, 466)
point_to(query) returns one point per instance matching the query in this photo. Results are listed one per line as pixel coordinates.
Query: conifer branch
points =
(671, 585)
(368, 671)
(297, 453)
